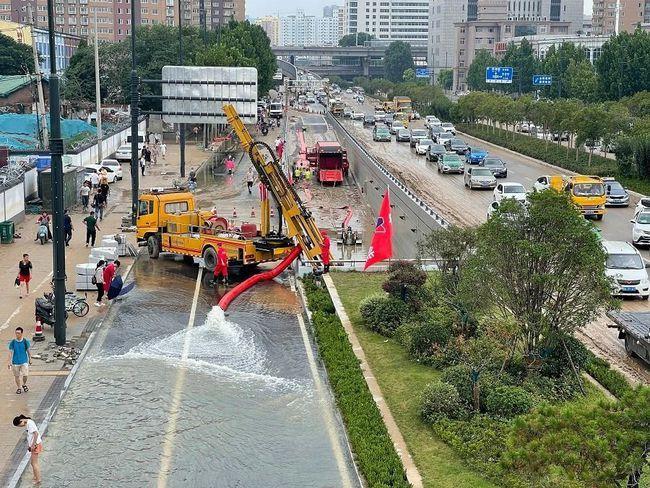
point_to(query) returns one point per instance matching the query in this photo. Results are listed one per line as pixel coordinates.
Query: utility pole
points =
(56, 152)
(98, 99)
(135, 112)
(39, 81)
(181, 126)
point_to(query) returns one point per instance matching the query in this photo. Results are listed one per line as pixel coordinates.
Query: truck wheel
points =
(628, 345)
(209, 258)
(599, 217)
(153, 246)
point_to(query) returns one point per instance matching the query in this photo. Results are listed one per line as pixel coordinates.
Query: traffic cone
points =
(38, 332)
(253, 212)
(234, 213)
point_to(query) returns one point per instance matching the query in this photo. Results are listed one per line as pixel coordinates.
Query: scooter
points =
(44, 309)
(42, 234)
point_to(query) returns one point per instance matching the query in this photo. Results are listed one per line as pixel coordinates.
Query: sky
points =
(258, 8)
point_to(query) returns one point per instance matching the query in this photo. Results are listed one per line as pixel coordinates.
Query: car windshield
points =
(624, 261)
(478, 150)
(397, 124)
(436, 148)
(419, 133)
(481, 172)
(425, 142)
(404, 132)
(382, 130)
(588, 189)
(447, 124)
(437, 129)
(643, 218)
(457, 142)
(450, 158)
(514, 189)
(493, 163)
(615, 187)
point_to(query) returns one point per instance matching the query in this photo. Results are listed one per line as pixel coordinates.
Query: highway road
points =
(448, 195)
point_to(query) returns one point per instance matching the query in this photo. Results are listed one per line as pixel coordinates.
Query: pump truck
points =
(168, 221)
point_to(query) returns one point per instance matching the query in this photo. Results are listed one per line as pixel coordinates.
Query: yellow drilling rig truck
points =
(168, 221)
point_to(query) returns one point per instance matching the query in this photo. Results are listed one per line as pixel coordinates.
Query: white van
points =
(627, 270)
(275, 110)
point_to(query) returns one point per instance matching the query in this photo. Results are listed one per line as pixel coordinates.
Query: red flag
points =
(382, 240)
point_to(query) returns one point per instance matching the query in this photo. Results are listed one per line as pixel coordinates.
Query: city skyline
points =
(260, 8)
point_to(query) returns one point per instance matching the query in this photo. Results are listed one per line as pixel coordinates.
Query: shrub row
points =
(374, 451)
(554, 154)
(611, 379)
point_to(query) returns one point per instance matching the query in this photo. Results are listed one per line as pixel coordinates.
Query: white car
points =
(432, 121)
(358, 115)
(349, 90)
(422, 145)
(449, 127)
(510, 190)
(479, 178)
(641, 228)
(443, 137)
(96, 168)
(625, 267)
(115, 165)
(123, 153)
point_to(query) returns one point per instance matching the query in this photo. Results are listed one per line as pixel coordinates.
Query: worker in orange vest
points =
(325, 251)
(221, 269)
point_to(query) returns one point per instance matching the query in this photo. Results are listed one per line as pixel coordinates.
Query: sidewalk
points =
(48, 378)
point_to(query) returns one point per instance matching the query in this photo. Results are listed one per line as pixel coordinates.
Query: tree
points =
(220, 55)
(476, 72)
(397, 59)
(581, 81)
(79, 78)
(446, 79)
(355, 39)
(541, 265)
(590, 126)
(622, 65)
(600, 446)
(556, 63)
(525, 64)
(15, 58)
(409, 75)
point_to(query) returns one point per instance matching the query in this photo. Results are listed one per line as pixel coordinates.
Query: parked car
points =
(403, 135)
(479, 178)
(115, 165)
(96, 168)
(395, 126)
(417, 134)
(525, 127)
(496, 165)
(475, 155)
(641, 229)
(449, 127)
(123, 153)
(381, 133)
(358, 116)
(422, 145)
(513, 190)
(431, 121)
(617, 195)
(369, 120)
(456, 145)
(560, 136)
(450, 163)
(435, 152)
(625, 267)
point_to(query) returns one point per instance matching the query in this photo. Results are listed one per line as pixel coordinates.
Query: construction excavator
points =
(169, 222)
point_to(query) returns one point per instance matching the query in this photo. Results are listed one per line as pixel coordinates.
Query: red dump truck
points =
(330, 161)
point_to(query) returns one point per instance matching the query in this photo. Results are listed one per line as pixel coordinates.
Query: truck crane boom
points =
(300, 223)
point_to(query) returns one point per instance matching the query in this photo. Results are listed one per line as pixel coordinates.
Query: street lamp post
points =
(135, 101)
(56, 151)
(181, 126)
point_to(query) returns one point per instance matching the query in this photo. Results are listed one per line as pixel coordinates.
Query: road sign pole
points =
(181, 127)
(56, 151)
(135, 113)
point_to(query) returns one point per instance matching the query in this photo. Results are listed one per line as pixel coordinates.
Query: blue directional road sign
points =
(498, 74)
(542, 80)
(422, 72)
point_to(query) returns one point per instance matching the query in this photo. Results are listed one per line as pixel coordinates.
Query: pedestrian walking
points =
(94, 180)
(19, 360)
(99, 202)
(67, 227)
(221, 269)
(230, 164)
(91, 228)
(143, 165)
(34, 443)
(278, 141)
(84, 192)
(105, 190)
(325, 252)
(250, 179)
(24, 274)
(109, 273)
(98, 281)
(163, 150)
(280, 149)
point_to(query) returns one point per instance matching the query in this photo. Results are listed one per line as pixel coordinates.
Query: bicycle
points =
(76, 304)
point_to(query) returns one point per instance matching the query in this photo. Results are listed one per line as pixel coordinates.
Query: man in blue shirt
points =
(19, 360)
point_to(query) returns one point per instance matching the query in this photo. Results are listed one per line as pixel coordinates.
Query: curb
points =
(412, 474)
(42, 428)
(535, 160)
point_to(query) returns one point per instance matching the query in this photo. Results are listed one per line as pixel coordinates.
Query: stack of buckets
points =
(110, 249)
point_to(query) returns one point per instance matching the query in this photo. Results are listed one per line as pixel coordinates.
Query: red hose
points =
(253, 280)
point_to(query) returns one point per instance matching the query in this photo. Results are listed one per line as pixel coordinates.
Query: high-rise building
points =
(210, 14)
(307, 30)
(330, 10)
(613, 16)
(271, 25)
(388, 20)
(443, 14)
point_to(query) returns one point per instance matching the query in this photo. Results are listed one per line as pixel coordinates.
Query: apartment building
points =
(389, 20)
(271, 25)
(613, 16)
(210, 14)
(308, 30)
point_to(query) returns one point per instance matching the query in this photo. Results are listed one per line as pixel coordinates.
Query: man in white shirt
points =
(94, 180)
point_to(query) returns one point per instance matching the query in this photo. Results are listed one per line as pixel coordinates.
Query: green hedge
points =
(611, 379)
(554, 154)
(374, 451)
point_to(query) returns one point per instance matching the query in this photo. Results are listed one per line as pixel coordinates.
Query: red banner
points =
(382, 240)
